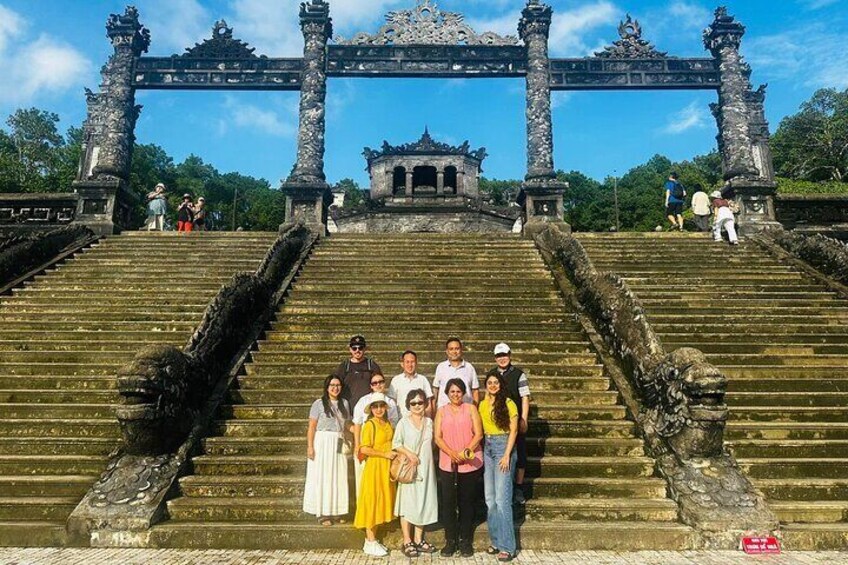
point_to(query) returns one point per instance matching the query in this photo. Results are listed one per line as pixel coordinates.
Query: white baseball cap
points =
(502, 349)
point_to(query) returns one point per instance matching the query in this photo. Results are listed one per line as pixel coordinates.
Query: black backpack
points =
(678, 191)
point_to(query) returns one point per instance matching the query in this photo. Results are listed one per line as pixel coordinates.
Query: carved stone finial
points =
(221, 45)
(125, 30)
(535, 19)
(631, 45)
(427, 25)
(315, 14)
(724, 31)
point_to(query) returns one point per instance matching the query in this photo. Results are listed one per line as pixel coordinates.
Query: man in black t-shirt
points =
(355, 373)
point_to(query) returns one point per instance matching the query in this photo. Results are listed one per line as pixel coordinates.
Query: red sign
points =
(760, 545)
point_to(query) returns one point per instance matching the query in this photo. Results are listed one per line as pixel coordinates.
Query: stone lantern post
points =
(751, 184)
(307, 192)
(105, 202)
(542, 194)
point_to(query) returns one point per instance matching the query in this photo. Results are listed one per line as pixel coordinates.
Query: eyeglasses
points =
(375, 383)
(357, 347)
(416, 403)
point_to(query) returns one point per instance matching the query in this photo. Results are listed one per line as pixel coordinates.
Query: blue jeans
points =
(498, 487)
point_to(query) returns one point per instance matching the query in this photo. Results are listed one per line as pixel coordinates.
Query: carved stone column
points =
(103, 175)
(542, 193)
(409, 185)
(753, 186)
(440, 182)
(306, 188)
(460, 183)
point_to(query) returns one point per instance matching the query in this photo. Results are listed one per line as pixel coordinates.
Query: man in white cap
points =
(518, 389)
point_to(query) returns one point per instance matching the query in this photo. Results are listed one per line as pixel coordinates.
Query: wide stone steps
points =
(586, 463)
(782, 340)
(64, 335)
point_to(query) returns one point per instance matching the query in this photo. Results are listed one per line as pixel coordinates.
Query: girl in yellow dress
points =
(376, 501)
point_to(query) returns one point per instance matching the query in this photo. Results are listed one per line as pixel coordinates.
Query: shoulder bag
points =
(403, 470)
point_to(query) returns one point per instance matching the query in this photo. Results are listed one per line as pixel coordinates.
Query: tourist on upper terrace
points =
(458, 434)
(185, 214)
(723, 218)
(701, 208)
(455, 367)
(675, 197)
(499, 415)
(378, 386)
(375, 503)
(518, 390)
(328, 448)
(355, 372)
(416, 503)
(200, 215)
(157, 206)
(410, 379)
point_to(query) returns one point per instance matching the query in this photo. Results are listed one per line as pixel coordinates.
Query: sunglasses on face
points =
(356, 347)
(416, 403)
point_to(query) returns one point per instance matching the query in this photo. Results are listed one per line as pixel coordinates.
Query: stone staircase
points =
(592, 486)
(781, 339)
(62, 338)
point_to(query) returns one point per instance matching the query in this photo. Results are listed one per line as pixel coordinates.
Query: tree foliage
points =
(812, 145)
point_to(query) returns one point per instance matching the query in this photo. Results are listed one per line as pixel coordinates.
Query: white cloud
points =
(569, 27)
(689, 15)
(560, 98)
(817, 4)
(32, 69)
(813, 55)
(271, 27)
(176, 25)
(693, 116)
(11, 25)
(265, 120)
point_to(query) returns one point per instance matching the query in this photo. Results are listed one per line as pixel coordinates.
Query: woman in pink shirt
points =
(458, 433)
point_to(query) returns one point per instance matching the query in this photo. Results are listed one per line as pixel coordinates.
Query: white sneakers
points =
(375, 549)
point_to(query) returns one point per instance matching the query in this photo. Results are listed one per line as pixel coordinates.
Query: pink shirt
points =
(457, 432)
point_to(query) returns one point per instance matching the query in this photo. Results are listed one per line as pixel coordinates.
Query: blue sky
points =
(51, 49)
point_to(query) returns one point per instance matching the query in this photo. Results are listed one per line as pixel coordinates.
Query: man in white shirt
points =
(359, 417)
(455, 367)
(410, 380)
(701, 208)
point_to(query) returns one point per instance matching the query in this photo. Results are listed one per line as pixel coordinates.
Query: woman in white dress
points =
(326, 493)
(416, 503)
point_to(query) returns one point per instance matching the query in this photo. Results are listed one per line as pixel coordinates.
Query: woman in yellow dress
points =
(376, 502)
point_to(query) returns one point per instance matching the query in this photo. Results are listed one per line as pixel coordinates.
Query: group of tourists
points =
(191, 216)
(421, 452)
(703, 207)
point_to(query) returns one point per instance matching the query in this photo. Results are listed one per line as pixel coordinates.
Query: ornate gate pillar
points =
(736, 103)
(307, 191)
(542, 194)
(105, 202)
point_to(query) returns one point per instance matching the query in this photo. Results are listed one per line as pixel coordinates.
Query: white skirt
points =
(326, 491)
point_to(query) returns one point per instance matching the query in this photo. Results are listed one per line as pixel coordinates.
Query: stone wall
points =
(24, 251)
(814, 212)
(432, 222)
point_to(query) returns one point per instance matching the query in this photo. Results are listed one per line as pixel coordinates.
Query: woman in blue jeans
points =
(500, 426)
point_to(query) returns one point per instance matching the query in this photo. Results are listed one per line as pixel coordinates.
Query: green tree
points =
(499, 192)
(812, 145)
(35, 138)
(354, 195)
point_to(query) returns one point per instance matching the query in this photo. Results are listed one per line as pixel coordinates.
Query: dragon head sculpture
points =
(157, 408)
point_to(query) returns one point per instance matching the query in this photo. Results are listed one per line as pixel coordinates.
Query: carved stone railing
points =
(676, 398)
(24, 251)
(826, 255)
(169, 398)
(813, 212)
(37, 210)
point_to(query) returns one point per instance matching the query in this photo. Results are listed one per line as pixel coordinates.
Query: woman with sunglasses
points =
(500, 424)
(376, 500)
(326, 494)
(458, 433)
(416, 504)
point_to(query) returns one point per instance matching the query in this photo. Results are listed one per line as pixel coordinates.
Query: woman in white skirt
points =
(416, 503)
(328, 450)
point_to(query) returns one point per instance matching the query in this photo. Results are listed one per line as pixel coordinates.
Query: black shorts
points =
(521, 451)
(674, 209)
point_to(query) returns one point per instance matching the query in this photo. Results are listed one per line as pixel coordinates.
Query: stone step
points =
(757, 320)
(242, 412)
(562, 536)
(337, 339)
(324, 368)
(803, 490)
(388, 349)
(775, 348)
(36, 533)
(804, 449)
(683, 325)
(465, 319)
(94, 303)
(741, 304)
(37, 337)
(292, 487)
(787, 398)
(116, 288)
(45, 485)
(644, 287)
(786, 430)
(75, 369)
(788, 360)
(659, 295)
(52, 465)
(672, 339)
(37, 509)
(40, 411)
(734, 313)
(85, 357)
(798, 384)
(152, 315)
(553, 510)
(149, 279)
(448, 285)
(800, 468)
(102, 446)
(815, 537)
(480, 359)
(274, 396)
(541, 428)
(821, 414)
(84, 345)
(314, 382)
(783, 371)
(82, 428)
(445, 303)
(59, 382)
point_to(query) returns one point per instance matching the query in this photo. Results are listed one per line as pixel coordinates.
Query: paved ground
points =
(57, 556)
